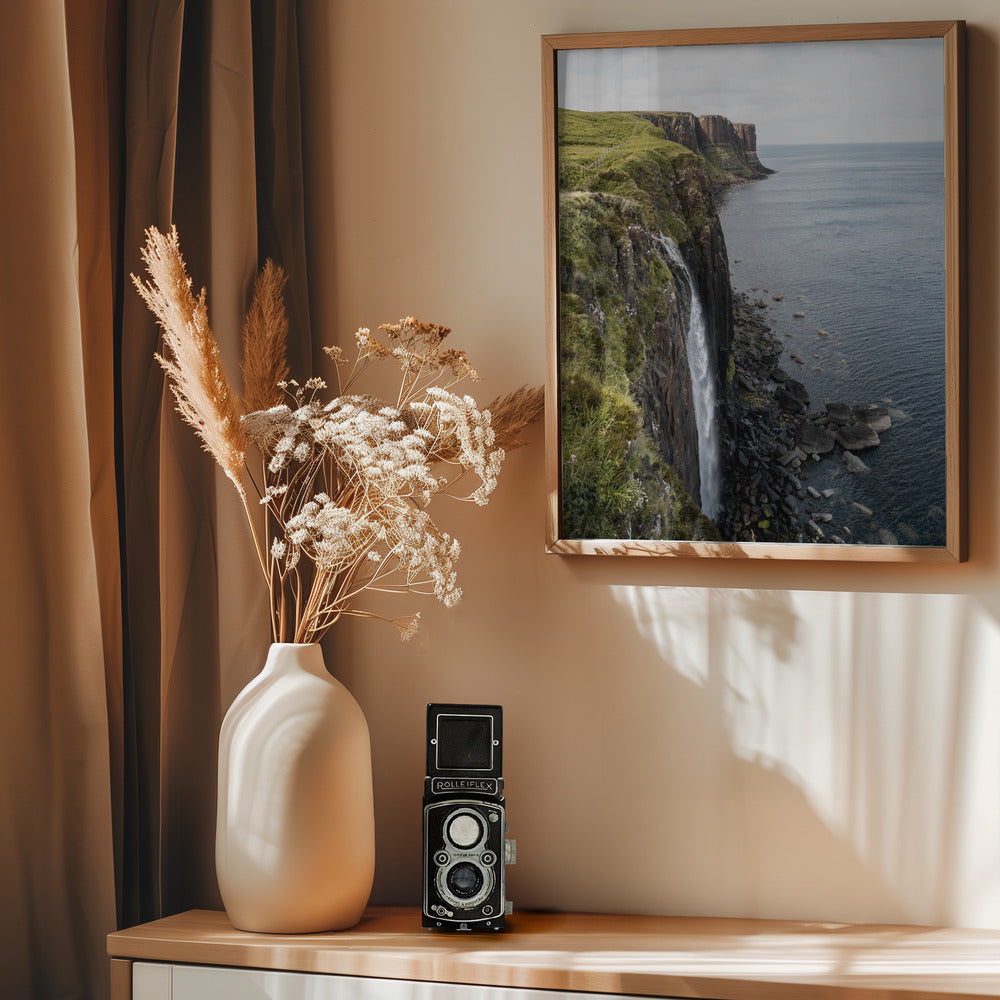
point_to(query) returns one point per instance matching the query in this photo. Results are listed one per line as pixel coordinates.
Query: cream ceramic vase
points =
(295, 838)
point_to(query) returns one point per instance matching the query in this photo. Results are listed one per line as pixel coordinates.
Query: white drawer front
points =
(152, 981)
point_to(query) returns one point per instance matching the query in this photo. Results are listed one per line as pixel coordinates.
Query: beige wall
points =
(769, 739)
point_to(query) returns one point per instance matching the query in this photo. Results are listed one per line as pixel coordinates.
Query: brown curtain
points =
(132, 609)
(211, 128)
(61, 660)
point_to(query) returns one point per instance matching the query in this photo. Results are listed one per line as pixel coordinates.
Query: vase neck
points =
(285, 657)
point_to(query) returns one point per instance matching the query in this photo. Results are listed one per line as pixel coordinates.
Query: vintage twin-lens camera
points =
(465, 847)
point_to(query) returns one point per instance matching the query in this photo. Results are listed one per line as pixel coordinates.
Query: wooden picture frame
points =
(645, 293)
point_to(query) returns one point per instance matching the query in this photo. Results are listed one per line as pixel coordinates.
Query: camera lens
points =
(465, 880)
(464, 829)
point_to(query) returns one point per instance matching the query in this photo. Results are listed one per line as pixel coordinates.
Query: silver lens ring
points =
(465, 884)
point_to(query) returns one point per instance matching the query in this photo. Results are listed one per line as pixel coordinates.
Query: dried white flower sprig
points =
(344, 484)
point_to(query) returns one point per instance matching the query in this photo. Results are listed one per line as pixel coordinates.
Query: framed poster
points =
(755, 292)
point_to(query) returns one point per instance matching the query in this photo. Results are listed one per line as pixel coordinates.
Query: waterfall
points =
(704, 387)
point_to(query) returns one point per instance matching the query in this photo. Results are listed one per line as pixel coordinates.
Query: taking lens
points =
(465, 880)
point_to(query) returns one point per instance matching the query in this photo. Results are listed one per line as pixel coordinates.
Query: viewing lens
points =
(465, 880)
(464, 830)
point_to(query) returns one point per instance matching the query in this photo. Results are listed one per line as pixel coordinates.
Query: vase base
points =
(323, 927)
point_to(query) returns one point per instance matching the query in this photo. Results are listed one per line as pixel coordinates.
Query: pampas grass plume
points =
(265, 335)
(191, 358)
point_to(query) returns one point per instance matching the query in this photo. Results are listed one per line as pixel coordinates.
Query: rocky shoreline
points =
(774, 440)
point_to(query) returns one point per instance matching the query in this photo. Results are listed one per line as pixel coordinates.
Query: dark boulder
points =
(789, 402)
(854, 464)
(876, 417)
(814, 439)
(840, 413)
(856, 437)
(798, 390)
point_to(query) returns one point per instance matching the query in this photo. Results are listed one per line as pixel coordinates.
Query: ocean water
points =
(853, 237)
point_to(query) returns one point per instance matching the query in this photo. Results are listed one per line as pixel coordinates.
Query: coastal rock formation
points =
(729, 149)
(764, 495)
(857, 437)
(777, 446)
(875, 417)
(792, 396)
(814, 439)
(746, 133)
(839, 413)
(854, 465)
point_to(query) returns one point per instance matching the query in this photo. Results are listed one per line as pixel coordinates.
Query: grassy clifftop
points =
(618, 153)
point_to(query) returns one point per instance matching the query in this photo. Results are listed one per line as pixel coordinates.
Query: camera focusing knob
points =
(510, 852)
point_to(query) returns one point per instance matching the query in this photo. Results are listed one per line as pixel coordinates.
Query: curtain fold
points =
(280, 163)
(133, 608)
(61, 663)
(208, 105)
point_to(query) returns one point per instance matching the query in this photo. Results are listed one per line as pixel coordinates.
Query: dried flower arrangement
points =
(344, 484)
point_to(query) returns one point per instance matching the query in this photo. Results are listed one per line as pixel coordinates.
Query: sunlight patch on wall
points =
(880, 708)
(673, 621)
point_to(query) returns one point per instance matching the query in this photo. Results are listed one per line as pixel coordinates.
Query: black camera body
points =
(465, 823)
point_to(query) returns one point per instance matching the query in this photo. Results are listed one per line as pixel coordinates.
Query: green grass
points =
(618, 154)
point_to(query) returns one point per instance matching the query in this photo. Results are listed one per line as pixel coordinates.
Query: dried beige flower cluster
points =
(344, 484)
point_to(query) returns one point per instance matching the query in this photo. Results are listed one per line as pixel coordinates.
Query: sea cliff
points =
(639, 239)
(729, 149)
(629, 440)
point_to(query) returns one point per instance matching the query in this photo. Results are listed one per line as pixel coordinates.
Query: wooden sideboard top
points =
(723, 959)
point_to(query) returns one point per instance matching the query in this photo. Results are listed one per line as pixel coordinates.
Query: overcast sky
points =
(794, 92)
